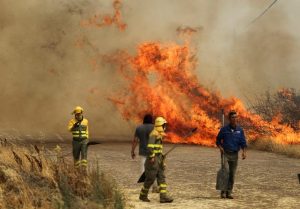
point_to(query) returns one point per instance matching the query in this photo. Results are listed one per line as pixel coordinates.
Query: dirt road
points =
(264, 180)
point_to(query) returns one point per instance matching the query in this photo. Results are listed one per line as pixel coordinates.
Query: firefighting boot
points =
(144, 195)
(228, 195)
(164, 198)
(223, 194)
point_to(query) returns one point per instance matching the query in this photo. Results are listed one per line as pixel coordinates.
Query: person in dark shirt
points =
(230, 140)
(141, 137)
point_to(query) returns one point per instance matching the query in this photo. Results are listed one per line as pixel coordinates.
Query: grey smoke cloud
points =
(44, 75)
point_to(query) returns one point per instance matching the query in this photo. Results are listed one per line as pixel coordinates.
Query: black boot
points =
(144, 198)
(223, 194)
(144, 195)
(228, 195)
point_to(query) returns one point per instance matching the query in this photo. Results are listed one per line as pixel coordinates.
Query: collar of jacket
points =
(160, 130)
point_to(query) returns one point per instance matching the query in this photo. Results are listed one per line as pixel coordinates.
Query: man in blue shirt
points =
(230, 140)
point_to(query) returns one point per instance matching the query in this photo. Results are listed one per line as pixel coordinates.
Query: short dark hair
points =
(231, 113)
(148, 119)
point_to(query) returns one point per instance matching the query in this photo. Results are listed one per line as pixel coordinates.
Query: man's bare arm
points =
(244, 155)
(134, 144)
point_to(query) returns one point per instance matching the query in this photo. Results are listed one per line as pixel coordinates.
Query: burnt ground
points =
(263, 180)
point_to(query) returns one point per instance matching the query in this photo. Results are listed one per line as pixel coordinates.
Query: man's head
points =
(148, 119)
(232, 116)
(78, 112)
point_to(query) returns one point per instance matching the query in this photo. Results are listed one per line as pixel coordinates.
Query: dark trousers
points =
(80, 148)
(154, 172)
(231, 162)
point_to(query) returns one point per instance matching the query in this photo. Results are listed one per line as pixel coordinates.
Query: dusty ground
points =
(264, 180)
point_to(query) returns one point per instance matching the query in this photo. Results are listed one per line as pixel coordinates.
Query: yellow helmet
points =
(159, 121)
(77, 109)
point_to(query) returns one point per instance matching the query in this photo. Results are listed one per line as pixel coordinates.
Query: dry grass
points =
(271, 146)
(30, 177)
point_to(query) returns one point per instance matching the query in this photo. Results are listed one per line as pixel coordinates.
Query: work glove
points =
(152, 160)
(76, 124)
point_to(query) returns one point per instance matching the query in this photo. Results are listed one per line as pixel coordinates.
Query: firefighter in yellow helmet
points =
(154, 165)
(78, 126)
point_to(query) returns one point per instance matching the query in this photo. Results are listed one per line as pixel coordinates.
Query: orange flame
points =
(161, 80)
(100, 21)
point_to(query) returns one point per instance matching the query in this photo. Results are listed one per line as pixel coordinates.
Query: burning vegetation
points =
(100, 20)
(161, 80)
(283, 104)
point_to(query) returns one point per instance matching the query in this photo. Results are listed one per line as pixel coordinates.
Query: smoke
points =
(49, 63)
(244, 59)
(44, 75)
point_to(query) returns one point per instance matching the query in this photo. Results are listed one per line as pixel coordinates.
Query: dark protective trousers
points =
(154, 172)
(80, 148)
(231, 162)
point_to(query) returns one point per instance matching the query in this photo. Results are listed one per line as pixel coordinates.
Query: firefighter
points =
(154, 165)
(78, 126)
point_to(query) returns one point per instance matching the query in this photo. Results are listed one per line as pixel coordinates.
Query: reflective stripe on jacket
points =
(80, 131)
(155, 146)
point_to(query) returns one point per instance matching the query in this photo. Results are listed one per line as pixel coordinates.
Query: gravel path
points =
(263, 180)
